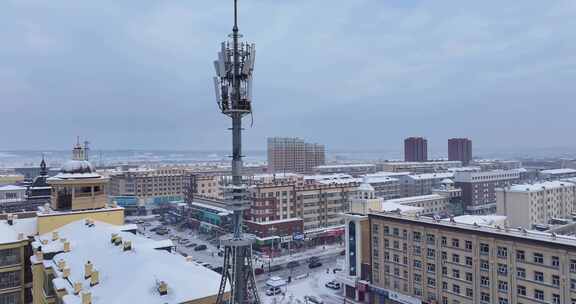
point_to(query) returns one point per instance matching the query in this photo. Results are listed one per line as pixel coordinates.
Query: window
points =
(455, 258)
(538, 276)
(395, 231)
(456, 288)
(444, 285)
(444, 256)
(555, 261)
(556, 298)
(417, 250)
(520, 272)
(503, 286)
(502, 301)
(520, 256)
(417, 236)
(10, 279)
(469, 276)
(417, 264)
(572, 265)
(485, 297)
(386, 243)
(502, 252)
(430, 238)
(468, 245)
(396, 244)
(10, 298)
(521, 290)
(469, 261)
(573, 284)
(538, 258)
(431, 253)
(417, 277)
(484, 249)
(484, 281)
(456, 273)
(431, 282)
(555, 280)
(484, 265)
(538, 294)
(455, 243)
(9, 256)
(443, 241)
(431, 267)
(502, 269)
(469, 292)
(386, 230)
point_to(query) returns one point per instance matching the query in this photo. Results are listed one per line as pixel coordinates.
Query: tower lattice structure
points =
(233, 88)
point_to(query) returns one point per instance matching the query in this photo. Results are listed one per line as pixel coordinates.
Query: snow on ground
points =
(313, 285)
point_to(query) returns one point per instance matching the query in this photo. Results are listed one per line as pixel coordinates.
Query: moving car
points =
(275, 282)
(258, 271)
(200, 248)
(191, 245)
(333, 285)
(292, 264)
(273, 291)
(275, 268)
(313, 300)
(314, 265)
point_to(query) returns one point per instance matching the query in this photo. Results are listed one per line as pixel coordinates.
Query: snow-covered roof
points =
(484, 220)
(366, 187)
(375, 179)
(392, 207)
(126, 276)
(215, 208)
(338, 178)
(447, 181)
(12, 188)
(558, 171)
(442, 175)
(9, 233)
(415, 199)
(294, 219)
(345, 166)
(538, 186)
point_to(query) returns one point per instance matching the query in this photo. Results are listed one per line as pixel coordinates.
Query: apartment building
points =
(352, 169)
(423, 184)
(460, 149)
(11, 193)
(420, 260)
(415, 149)
(386, 187)
(529, 205)
(148, 183)
(208, 186)
(478, 188)
(290, 154)
(318, 204)
(15, 285)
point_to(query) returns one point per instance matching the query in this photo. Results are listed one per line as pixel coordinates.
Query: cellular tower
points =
(233, 88)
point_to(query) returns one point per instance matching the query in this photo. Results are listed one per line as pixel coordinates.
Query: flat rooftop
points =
(125, 276)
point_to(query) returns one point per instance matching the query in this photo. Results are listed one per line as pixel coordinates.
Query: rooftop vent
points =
(113, 237)
(127, 245)
(118, 241)
(66, 273)
(61, 265)
(77, 287)
(66, 246)
(55, 236)
(86, 298)
(88, 267)
(94, 278)
(163, 288)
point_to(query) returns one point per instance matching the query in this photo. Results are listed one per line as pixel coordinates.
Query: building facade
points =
(290, 154)
(432, 204)
(422, 184)
(421, 167)
(529, 205)
(418, 260)
(149, 183)
(479, 188)
(415, 149)
(460, 149)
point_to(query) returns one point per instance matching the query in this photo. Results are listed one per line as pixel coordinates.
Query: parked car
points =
(313, 259)
(343, 252)
(275, 282)
(191, 245)
(258, 271)
(275, 268)
(333, 285)
(273, 291)
(200, 248)
(313, 299)
(292, 264)
(183, 241)
(314, 265)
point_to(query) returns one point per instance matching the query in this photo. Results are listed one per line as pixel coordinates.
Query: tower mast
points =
(233, 86)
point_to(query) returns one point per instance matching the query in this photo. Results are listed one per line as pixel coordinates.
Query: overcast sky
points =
(355, 74)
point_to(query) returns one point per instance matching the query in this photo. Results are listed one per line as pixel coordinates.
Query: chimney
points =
(86, 298)
(163, 288)
(113, 237)
(55, 235)
(127, 245)
(61, 265)
(77, 287)
(95, 278)
(66, 246)
(87, 270)
(66, 273)
(118, 241)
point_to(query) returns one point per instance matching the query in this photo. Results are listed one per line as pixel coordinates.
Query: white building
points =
(422, 184)
(431, 204)
(536, 204)
(10, 193)
(556, 174)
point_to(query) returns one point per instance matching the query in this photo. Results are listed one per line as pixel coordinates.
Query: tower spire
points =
(43, 168)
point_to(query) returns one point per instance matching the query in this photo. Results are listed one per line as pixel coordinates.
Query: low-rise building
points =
(420, 167)
(556, 174)
(528, 205)
(432, 204)
(93, 262)
(352, 169)
(149, 183)
(422, 184)
(12, 193)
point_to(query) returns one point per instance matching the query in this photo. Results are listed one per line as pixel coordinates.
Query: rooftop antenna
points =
(233, 92)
